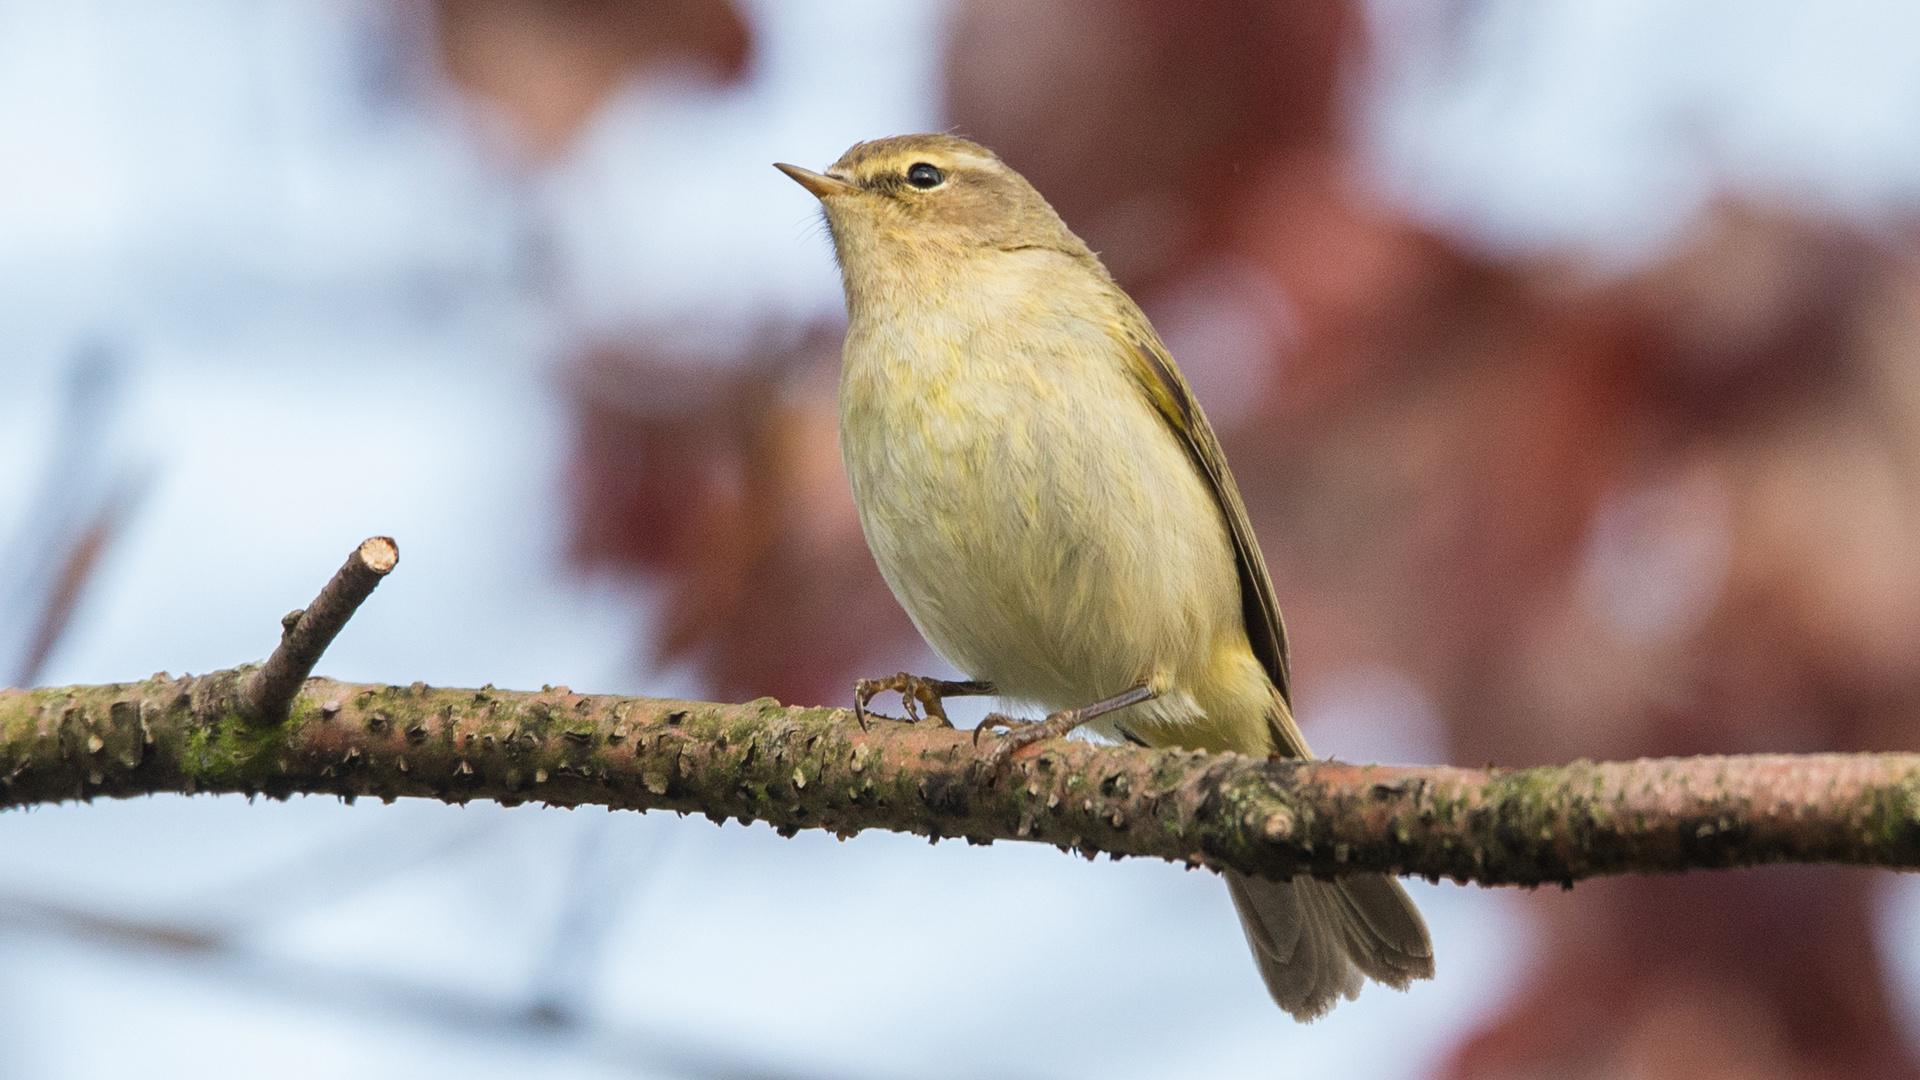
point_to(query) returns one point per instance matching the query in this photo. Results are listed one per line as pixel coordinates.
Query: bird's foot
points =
(916, 692)
(1022, 733)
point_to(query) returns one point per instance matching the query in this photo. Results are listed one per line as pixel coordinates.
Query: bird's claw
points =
(1024, 733)
(999, 720)
(917, 692)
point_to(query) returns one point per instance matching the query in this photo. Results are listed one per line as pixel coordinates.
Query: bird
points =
(1044, 496)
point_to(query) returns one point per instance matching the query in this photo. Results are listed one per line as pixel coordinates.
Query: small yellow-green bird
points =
(1047, 501)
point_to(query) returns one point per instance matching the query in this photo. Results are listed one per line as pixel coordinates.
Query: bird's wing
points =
(1173, 399)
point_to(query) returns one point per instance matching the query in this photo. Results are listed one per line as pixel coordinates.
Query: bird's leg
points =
(914, 689)
(1027, 732)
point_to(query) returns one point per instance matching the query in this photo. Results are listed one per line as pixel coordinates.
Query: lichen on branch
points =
(799, 768)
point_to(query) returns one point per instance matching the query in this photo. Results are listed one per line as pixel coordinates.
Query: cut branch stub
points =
(307, 633)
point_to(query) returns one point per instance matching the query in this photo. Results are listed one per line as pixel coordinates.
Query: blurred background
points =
(1567, 353)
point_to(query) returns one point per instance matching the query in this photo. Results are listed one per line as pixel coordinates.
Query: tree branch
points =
(815, 768)
(270, 730)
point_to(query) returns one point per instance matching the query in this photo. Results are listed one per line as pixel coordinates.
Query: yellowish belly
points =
(1057, 543)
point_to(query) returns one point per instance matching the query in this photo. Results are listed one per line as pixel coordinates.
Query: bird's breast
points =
(1038, 520)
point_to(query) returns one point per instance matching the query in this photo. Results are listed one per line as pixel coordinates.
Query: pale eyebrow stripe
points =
(975, 160)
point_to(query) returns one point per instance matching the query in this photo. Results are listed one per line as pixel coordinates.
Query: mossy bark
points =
(815, 768)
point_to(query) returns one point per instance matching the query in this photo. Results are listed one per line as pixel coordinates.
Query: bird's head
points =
(916, 196)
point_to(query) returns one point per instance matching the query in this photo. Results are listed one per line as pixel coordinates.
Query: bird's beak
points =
(820, 184)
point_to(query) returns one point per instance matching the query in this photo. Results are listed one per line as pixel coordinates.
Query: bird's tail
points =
(1314, 939)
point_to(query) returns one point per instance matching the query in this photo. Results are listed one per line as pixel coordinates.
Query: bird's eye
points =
(925, 176)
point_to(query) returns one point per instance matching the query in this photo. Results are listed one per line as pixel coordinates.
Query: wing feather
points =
(1173, 399)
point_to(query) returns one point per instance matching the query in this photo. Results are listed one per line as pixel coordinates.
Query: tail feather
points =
(1388, 939)
(1313, 939)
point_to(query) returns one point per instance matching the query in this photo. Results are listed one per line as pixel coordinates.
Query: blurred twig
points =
(76, 569)
(599, 880)
(71, 521)
(456, 1011)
